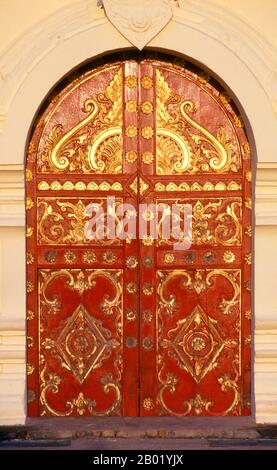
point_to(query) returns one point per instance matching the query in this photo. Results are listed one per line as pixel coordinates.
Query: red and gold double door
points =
(122, 324)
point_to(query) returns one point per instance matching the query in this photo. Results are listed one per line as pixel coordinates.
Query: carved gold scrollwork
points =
(98, 153)
(219, 151)
(80, 281)
(176, 151)
(81, 343)
(197, 404)
(69, 225)
(50, 383)
(227, 307)
(59, 156)
(214, 222)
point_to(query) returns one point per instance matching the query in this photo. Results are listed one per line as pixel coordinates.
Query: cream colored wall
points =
(39, 42)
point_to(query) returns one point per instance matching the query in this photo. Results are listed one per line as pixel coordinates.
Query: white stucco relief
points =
(139, 22)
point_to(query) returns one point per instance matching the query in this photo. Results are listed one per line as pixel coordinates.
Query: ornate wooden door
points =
(122, 325)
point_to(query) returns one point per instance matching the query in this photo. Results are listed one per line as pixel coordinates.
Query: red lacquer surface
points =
(133, 327)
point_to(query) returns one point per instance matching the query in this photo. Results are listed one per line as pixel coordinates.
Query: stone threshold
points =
(135, 428)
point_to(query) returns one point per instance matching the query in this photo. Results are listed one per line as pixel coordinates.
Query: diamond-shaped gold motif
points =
(195, 343)
(84, 343)
(139, 183)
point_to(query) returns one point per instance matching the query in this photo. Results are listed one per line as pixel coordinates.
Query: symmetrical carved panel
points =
(203, 342)
(101, 303)
(80, 350)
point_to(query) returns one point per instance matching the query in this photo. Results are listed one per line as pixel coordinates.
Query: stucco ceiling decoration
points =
(139, 22)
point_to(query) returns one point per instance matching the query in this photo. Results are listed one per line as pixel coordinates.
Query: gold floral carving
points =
(131, 106)
(169, 258)
(147, 158)
(146, 82)
(148, 404)
(89, 257)
(248, 231)
(131, 131)
(76, 150)
(82, 343)
(80, 281)
(199, 282)
(131, 157)
(30, 315)
(198, 405)
(29, 232)
(147, 107)
(29, 203)
(30, 368)
(29, 175)
(147, 132)
(70, 257)
(29, 258)
(30, 287)
(229, 257)
(131, 81)
(50, 383)
(68, 224)
(199, 150)
(214, 222)
(148, 240)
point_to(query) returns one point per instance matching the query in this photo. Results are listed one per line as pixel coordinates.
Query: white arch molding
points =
(211, 36)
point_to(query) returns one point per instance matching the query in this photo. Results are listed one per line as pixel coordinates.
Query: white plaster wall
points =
(39, 43)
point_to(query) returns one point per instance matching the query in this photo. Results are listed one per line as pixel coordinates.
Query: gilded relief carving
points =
(208, 186)
(63, 222)
(93, 145)
(80, 281)
(214, 221)
(199, 280)
(198, 342)
(176, 135)
(79, 186)
(183, 145)
(195, 343)
(80, 344)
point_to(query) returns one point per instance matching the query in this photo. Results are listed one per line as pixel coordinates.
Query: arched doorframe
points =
(30, 75)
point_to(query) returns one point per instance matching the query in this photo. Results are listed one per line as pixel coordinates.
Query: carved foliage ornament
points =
(139, 22)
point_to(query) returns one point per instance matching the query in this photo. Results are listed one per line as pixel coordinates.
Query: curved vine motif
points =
(59, 155)
(229, 381)
(222, 230)
(168, 381)
(168, 305)
(209, 226)
(220, 150)
(95, 143)
(50, 384)
(110, 305)
(55, 230)
(78, 217)
(197, 405)
(176, 139)
(53, 304)
(227, 307)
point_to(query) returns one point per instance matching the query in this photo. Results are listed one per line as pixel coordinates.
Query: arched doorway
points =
(131, 326)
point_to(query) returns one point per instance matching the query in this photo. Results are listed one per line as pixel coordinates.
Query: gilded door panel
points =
(126, 324)
(195, 312)
(80, 342)
(82, 286)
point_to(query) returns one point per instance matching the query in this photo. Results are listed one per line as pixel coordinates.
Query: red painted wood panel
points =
(122, 325)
